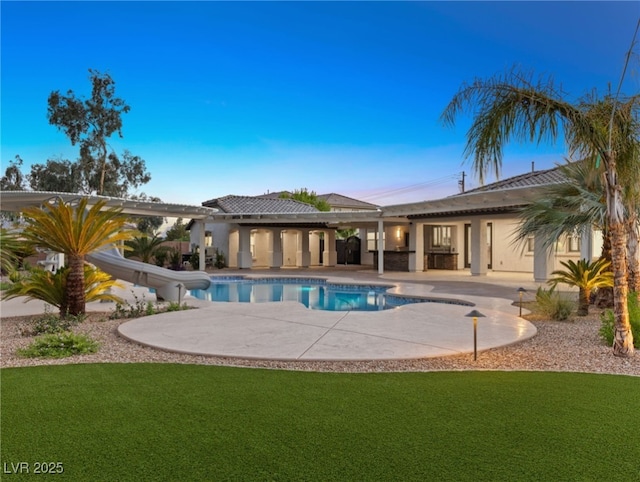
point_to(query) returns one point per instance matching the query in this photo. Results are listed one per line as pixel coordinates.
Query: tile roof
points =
(258, 205)
(535, 178)
(340, 201)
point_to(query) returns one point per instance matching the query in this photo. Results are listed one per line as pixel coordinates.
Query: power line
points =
(411, 187)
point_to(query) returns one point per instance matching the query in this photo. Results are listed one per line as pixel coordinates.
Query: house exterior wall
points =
(260, 248)
(314, 248)
(289, 248)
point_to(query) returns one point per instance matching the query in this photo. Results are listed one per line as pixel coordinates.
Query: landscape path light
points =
(475, 314)
(521, 291)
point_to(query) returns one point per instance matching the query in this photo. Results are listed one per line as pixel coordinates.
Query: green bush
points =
(175, 306)
(140, 307)
(553, 304)
(50, 323)
(59, 345)
(194, 261)
(607, 322)
(220, 261)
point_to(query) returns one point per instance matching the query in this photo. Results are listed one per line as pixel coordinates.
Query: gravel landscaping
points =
(573, 346)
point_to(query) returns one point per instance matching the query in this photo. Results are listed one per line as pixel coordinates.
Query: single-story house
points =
(473, 230)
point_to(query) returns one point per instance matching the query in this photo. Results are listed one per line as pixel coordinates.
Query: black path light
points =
(475, 314)
(521, 291)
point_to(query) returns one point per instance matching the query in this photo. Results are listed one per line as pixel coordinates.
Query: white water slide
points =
(169, 285)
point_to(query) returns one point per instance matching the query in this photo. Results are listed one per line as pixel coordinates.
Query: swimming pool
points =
(314, 293)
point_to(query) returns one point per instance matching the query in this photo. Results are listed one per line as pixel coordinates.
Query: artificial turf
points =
(184, 422)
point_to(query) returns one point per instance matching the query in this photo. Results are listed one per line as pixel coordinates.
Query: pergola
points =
(476, 202)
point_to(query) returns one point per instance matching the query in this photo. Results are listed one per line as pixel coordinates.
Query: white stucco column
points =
(542, 260)
(244, 248)
(201, 241)
(303, 255)
(380, 246)
(586, 244)
(479, 254)
(416, 244)
(329, 254)
(275, 251)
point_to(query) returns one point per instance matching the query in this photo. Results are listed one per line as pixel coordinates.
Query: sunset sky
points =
(346, 97)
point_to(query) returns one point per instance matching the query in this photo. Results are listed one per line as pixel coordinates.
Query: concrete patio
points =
(289, 331)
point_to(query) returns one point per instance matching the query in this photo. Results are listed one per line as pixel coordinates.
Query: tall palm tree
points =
(513, 106)
(585, 276)
(569, 208)
(575, 206)
(75, 230)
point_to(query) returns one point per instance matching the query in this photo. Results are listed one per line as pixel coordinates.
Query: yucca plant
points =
(40, 284)
(76, 230)
(586, 277)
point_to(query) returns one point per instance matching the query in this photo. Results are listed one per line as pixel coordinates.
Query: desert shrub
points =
(140, 307)
(553, 304)
(49, 323)
(607, 322)
(175, 306)
(59, 345)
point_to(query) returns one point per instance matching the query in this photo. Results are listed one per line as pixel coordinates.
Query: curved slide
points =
(169, 285)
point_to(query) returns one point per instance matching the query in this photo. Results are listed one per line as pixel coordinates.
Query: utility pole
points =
(461, 182)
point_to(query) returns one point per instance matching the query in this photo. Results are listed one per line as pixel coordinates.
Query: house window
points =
(574, 244)
(441, 236)
(530, 244)
(372, 238)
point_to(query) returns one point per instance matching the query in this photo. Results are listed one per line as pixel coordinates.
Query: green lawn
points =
(158, 422)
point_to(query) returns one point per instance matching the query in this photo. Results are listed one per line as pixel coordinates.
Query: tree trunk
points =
(623, 338)
(583, 302)
(604, 296)
(633, 254)
(75, 286)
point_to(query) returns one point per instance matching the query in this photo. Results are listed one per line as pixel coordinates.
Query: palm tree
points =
(569, 208)
(586, 277)
(76, 231)
(9, 248)
(143, 247)
(40, 284)
(515, 107)
(575, 206)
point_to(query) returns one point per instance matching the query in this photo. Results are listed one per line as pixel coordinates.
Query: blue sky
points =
(249, 97)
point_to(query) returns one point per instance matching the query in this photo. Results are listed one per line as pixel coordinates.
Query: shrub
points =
(175, 306)
(140, 307)
(175, 259)
(194, 260)
(59, 345)
(161, 256)
(50, 323)
(607, 322)
(220, 261)
(586, 276)
(553, 304)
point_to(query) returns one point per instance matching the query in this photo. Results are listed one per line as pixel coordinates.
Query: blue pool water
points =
(316, 294)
